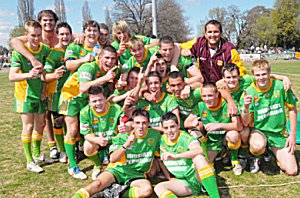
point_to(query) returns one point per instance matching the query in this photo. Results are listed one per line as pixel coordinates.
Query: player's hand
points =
(247, 100)
(286, 83)
(88, 58)
(212, 126)
(59, 72)
(221, 84)
(291, 144)
(173, 68)
(232, 108)
(185, 93)
(34, 72)
(37, 64)
(168, 156)
(141, 77)
(110, 75)
(102, 141)
(79, 40)
(122, 46)
(195, 122)
(186, 52)
(130, 140)
(129, 100)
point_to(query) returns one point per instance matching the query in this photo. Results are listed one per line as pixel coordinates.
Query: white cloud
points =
(4, 13)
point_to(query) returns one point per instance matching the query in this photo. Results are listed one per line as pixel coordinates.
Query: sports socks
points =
(167, 194)
(82, 193)
(95, 158)
(26, 141)
(131, 192)
(36, 142)
(58, 133)
(234, 149)
(208, 179)
(70, 150)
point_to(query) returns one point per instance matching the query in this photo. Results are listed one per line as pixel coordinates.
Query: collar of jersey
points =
(168, 142)
(104, 113)
(34, 51)
(263, 90)
(139, 137)
(162, 97)
(218, 106)
(144, 57)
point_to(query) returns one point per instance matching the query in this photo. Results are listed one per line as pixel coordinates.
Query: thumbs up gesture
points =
(247, 100)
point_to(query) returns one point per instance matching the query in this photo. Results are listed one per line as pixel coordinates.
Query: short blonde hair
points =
(32, 23)
(120, 25)
(135, 42)
(260, 64)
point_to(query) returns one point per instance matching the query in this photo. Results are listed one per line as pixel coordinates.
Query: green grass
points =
(16, 181)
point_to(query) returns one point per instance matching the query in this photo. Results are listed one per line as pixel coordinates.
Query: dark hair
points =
(94, 90)
(175, 74)
(230, 67)
(141, 112)
(133, 69)
(46, 13)
(166, 39)
(213, 22)
(109, 48)
(90, 23)
(169, 116)
(61, 25)
(210, 84)
(153, 74)
(103, 26)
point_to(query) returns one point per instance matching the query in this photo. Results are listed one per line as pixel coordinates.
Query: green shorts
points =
(275, 139)
(123, 176)
(30, 107)
(52, 102)
(72, 107)
(215, 143)
(192, 182)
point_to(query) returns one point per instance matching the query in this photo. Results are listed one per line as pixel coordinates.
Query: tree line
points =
(275, 27)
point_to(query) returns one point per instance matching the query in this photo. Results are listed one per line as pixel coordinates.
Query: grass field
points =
(16, 181)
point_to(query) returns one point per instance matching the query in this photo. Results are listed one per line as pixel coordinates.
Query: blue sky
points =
(195, 10)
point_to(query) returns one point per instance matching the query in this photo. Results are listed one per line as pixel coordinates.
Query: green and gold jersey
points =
(186, 106)
(244, 82)
(164, 104)
(54, 61)
(140, 154)
(133, 62)
(70, 89)
(267, 107)
(183, 65)
(126, 55)
(29, 90)
(76, 51)
(106, 122)
(218, 114)
(183, 167)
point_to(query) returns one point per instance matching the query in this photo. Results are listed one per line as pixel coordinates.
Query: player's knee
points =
(58, 122)
(145, 191)
(233, 137)
(257, 149)
(41, 124)
(28, 127)
(291, 171)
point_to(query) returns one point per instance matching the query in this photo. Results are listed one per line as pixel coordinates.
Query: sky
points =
(195, 10)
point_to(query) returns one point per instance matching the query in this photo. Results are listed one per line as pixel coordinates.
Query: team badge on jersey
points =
(95, 121)
(256, 101)
(82, 53)
(150, 141)
(180, 149)
(189, 102)
(276, 93)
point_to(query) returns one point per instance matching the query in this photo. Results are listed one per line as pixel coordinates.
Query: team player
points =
(185, 65)
(71, 100)
(98, 122)
(56, 77)
(187, 99)
(47, 19)
(212, 119)
(160, 103)
(183, 156)
(131, 158)
(263, 109)
(29, 100)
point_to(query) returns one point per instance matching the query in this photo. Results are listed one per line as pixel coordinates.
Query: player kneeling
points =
(183, 157)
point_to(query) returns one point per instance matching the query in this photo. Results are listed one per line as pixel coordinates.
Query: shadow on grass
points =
(224, 191)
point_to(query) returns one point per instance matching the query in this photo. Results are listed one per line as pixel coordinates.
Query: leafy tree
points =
(60, 10)
(285, 16)
(134, 12)
(25, 11)
(15, 32)
(86, 11)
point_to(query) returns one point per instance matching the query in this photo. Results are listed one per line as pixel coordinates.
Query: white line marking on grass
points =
(259, 185)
